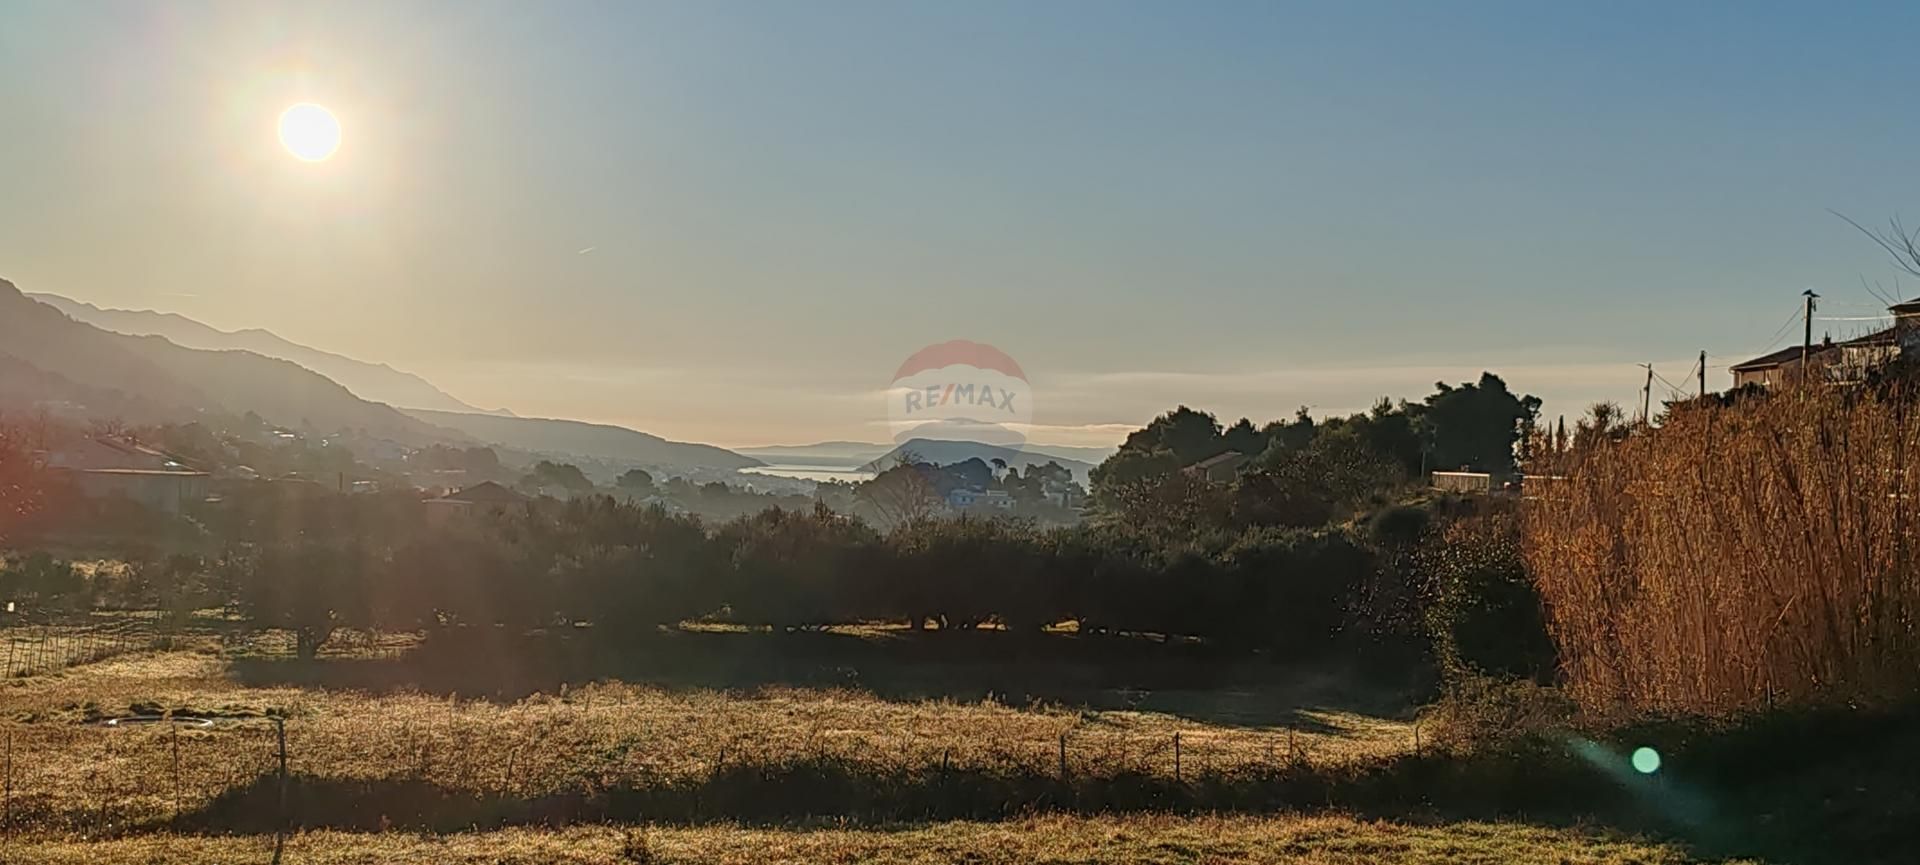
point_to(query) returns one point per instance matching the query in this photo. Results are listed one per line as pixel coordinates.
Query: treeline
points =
(1237, 568)
(630, 570)
(319, 565)
(1185, 472)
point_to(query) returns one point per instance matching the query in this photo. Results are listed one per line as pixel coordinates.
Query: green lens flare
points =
(1646, 761)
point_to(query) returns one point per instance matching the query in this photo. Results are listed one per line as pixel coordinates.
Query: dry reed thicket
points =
(1317, 840)
(1738, 556)
(73, 774)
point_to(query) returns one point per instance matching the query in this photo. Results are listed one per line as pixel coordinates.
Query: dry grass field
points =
(615, 771)
(1057, 840)
(72, 773)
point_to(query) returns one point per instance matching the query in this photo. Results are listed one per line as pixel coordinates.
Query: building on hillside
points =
(1067, 494)
(482, 497)
(964, 498)
(1220, 468)
(1776, 367)
(1463, 482)
(107, 452)
(1841, 362)
(109, 467)
(170, 491)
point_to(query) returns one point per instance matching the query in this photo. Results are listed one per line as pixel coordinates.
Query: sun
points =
(310, 132)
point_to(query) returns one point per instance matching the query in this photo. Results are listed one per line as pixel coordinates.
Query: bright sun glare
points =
(310, 132)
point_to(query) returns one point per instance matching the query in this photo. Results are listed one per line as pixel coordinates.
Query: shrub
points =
(1482, 611)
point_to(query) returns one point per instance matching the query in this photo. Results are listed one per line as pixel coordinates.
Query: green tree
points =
(566, 476)
(635, 480)
(1476, 425)
(1483, 612)
(1189, 435)
(309, 587)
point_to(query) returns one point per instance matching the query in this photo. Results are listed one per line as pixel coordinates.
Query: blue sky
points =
(1247, 207)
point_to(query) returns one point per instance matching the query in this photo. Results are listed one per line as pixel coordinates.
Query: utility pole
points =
(1703, 374)
(1646, 397)
(1806, 342)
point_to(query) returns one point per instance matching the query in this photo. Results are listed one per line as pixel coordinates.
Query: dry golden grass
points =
(1142, 839)
(71, 773)
(1738, 557)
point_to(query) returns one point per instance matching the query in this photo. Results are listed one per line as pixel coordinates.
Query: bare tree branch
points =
(1901, 244)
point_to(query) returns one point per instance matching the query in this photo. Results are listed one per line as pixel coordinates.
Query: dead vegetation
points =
(1738, 557)
(1329, 840)
(73, 774)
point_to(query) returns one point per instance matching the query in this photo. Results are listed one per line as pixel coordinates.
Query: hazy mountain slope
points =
(853, 454)
(23, 387)
(1089, 455)
(91, 361)
(837, 453)
(373, 381)
(940, 452)
(602, 441)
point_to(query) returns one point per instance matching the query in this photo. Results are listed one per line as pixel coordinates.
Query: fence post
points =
(176, 764)
(9, 784)
(1063, 756)
(1176, 756)
(280, 729)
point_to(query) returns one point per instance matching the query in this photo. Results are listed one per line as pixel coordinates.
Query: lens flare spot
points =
(1646, 761)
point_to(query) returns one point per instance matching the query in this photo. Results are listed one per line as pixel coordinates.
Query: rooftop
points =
(485, 493)
(1789, 354)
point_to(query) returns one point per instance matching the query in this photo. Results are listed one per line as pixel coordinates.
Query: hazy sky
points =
(1245, 207)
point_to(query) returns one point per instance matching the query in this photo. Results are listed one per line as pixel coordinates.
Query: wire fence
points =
(67, 770)
(29, 647)
(93, 777)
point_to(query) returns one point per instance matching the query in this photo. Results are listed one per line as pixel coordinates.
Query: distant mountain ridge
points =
(371, 381)
(572, 437)
(47, 357)
(842, 454)
(50, 358)
(942, 452)
(849, 454)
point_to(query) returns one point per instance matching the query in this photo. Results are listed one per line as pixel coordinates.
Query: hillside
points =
(1088, 455)
(944, 453)
(839, 454)
(571, 437)
(373, 381)
(23, 385)
(98, 373)
(853, 454)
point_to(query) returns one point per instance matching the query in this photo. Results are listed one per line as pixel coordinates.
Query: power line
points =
(1670, 385)
(1786, 327)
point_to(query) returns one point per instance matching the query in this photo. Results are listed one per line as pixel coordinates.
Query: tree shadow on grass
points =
(1191, 681)
(1542, 784)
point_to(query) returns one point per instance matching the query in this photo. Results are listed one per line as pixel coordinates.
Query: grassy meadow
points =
(1326, 840)
(578, 743)
(708, 767)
